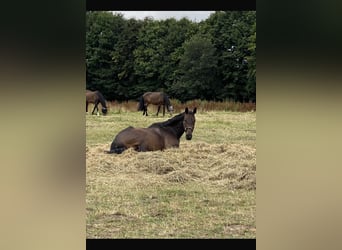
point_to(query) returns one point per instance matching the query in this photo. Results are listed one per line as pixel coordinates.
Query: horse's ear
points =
(194, 110)
(186, 110)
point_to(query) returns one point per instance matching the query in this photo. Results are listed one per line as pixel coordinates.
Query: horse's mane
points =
(169, 122)
(101, 98)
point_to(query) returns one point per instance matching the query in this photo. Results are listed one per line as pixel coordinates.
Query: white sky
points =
(195, 16)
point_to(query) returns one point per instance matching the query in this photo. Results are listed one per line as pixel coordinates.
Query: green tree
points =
(157, 54)
(102, 33)
(197, 70)
(177, 33)
(123, 60)
(148, 55)
(251, 82)
(231, 32)
(214, 59)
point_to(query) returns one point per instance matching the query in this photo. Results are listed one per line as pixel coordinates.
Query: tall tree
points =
(231, 31)
(177, 33)
(197, 70)
(123, 60)
(214, 59)
(102, 33)
(251, 82)
(148, 55)
(157, 54)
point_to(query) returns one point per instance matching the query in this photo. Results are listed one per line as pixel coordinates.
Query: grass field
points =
(206, 188)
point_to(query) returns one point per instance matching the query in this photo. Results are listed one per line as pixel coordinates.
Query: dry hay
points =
(231, 166)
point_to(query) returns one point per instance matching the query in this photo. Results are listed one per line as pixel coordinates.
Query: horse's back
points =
(89, 92)
(124, 136)
(147, 93)
(141, 139)
(90, 95)
(154, 97)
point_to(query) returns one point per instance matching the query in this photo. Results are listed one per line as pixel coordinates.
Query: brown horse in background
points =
(158, 136)
(156, 98)
(96, 97)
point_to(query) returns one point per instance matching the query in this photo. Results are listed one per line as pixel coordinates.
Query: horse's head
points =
(189, 122)
(104, 110)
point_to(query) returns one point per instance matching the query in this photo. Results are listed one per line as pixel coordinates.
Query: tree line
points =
(214, 59)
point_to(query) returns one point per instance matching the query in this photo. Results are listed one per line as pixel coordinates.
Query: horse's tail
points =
(118, 150)
(141, 105)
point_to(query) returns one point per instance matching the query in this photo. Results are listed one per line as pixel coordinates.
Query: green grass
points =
(206, 188)
(172, 211)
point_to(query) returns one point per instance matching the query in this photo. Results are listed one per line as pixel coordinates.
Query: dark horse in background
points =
(158, 136)
(96, 97)
(156, 98)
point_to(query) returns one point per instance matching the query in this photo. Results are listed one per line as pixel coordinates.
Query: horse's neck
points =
(102, 101)
(177, 129)
(98, 97)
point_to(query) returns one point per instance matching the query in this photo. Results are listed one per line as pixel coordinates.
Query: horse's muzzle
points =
(188, 137)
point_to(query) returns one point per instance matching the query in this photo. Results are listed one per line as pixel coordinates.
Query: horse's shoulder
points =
(141, 130)
(153, 125)
(154, 129)
(162, 131)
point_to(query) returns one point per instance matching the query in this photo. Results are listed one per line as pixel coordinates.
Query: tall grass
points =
(202, 105)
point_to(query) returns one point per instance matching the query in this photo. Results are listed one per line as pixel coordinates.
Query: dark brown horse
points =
(96, 97)
(158, 136)
(156, 98)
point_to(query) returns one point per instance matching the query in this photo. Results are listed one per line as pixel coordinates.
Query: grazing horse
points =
(158, 136)
(96, 97)
(156, 98)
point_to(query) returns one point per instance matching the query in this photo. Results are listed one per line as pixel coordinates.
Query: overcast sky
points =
(195, 16)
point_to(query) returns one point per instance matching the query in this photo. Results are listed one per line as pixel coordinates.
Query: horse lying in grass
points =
(158, 136)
